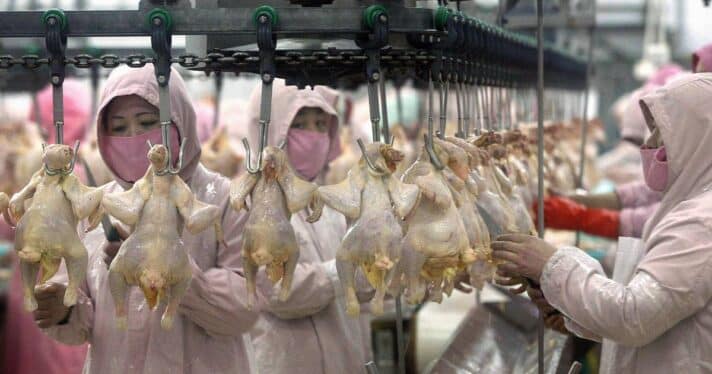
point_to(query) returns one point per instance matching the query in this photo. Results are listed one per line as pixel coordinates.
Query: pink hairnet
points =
(76, 111)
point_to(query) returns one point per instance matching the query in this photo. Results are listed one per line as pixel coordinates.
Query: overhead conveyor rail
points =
(482, 53)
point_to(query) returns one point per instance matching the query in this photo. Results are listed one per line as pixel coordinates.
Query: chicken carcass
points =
(47, 211)
(492, 204)
(153, 257)
(374, 202)
(268, 238)
(466, 194)
(218, 155)
(502, 170)
(435, 246)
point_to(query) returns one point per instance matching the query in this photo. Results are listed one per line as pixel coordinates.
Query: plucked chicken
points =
(153, 257)
(374, 202)
(466, 194)
(47, 211)
(268, 237)
(435, 246)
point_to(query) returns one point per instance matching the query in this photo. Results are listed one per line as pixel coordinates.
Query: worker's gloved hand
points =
(50, 304)
(556, 322)
(522, 255)
(565, 214)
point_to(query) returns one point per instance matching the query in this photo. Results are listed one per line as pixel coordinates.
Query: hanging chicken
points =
(492, 204)
(374, 202)
(466, 194)
(47, 211)
(153, 257)
(435, 246)
(268, 238)
(219, 156)
(502, 171)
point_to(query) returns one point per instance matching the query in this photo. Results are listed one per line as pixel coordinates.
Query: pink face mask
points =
(655, 167)
(307, 151)
(126, 156)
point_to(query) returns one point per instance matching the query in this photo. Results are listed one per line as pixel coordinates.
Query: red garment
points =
(565, 214)
(27, 349)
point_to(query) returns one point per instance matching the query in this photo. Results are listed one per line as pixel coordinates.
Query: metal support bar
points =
(584, 126)
(384, 112)
(400, 337)
(218, 98)
(293, 21)
(540, 157)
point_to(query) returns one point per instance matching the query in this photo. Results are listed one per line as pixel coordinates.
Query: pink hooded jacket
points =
(208, 334)
(661, 321)
(310, 332)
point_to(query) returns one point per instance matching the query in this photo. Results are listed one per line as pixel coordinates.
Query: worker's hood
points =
(286, 103)
(681, 112)
(125, 81)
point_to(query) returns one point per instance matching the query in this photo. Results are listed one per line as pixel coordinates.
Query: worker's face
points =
(130, 116)
(311, 119)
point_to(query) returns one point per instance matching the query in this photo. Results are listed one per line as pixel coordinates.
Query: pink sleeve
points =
(217, 297)
(632, 220)
(635, 194)
(314, 287)
(632, 315)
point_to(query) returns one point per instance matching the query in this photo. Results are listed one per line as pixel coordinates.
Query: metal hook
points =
(443, 93)
(371, 165)
(429, 136)
(466, 103)
(460, 121)
(384, 112)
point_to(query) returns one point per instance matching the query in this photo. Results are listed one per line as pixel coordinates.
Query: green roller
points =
(162, 14)
(371, 13)
(441, 17)
(265, 10)
(57, 13)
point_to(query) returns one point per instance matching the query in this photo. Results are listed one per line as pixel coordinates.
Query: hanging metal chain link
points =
(219, 60)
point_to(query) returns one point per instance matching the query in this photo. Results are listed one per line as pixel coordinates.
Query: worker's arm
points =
(670, 285)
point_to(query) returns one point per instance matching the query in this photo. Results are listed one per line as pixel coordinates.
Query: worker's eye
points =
(297, 125)
(322, 126)
(118, 129)
(147, 124)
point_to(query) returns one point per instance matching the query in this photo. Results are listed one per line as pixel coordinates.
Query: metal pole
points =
(540, 156)
(584, 127)
(218, 98)
(399, 336)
